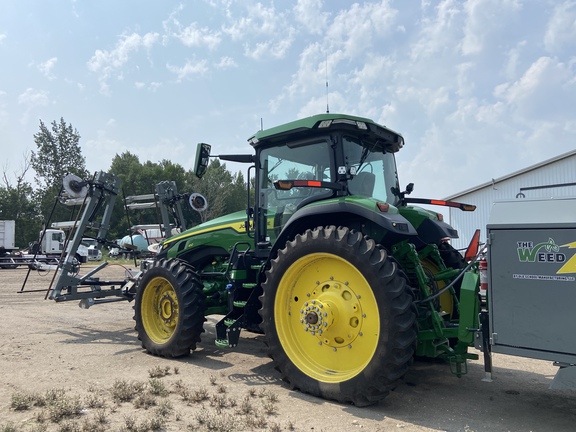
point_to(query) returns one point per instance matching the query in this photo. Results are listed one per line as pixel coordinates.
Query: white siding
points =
(557, 172)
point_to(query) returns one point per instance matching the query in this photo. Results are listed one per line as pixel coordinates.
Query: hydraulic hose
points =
(451, 284)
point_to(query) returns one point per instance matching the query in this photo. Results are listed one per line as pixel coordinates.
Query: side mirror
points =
(409, 188)
(202, 159)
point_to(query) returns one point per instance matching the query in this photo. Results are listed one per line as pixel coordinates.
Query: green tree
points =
(58, 154)
(140, 179)
(16, 203)
(225, 192)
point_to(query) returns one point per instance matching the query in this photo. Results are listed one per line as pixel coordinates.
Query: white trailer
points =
(7, 244)
(7, 235)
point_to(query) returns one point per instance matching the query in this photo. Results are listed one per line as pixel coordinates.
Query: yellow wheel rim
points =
(446, 300)
(159, 310)
(327, 318)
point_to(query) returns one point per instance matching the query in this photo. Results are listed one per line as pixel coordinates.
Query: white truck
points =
(94, 254)
(52, 243)
(44, 252)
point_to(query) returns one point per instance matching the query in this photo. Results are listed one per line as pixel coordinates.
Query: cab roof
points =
(326, 123)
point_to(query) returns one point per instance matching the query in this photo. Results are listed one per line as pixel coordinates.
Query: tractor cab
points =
(323, 160)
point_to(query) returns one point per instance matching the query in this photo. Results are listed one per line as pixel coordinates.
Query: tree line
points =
(58, 153)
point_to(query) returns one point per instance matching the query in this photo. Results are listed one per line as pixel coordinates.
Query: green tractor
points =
(346, 278)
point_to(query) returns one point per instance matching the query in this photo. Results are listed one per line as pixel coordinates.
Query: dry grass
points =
(152, 408)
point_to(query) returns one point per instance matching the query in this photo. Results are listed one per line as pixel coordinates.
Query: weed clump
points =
(125, 391)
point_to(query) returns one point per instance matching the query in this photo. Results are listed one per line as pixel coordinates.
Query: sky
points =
(478, 88)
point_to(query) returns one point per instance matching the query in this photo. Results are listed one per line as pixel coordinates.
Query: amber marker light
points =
(383, 207)
(284, 185)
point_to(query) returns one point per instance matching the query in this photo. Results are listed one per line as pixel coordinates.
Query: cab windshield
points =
(372, 170)
(308, 161)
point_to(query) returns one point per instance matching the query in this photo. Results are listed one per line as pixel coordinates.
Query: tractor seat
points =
(362, 184)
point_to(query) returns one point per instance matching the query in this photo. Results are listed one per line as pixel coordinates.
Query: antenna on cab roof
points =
(327, 106)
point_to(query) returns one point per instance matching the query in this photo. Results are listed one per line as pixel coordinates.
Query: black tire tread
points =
(191, 300)
(392, 359)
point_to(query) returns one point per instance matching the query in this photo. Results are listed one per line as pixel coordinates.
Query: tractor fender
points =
(433, 231)
(343, 213)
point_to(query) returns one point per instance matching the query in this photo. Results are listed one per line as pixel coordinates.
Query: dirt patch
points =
(85, 357)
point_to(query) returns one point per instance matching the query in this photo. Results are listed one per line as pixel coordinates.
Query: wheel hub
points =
(167, 308)
(332, 314)
(314, 317)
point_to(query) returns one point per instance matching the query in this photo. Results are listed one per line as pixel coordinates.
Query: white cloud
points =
(316, 105)
(263, 31)
(222, 5)
(529, 120)
(154, 86)
(107, 63)
(191, 68)
(561, 29)
(484, 19)
(226, 63)
(545, 91)
(354, 33)
(31, 99)
(275, 49)
(310, 74)
(258, 20)
(354, 30)
(512, 59)
(309, 14)
(430, 102)
(191, 35)
(2, 37)
(47, 66)
(437, 32)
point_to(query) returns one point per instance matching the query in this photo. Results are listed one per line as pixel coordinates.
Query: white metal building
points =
(552, 178)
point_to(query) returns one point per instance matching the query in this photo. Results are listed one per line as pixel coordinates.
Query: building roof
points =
(511, 175)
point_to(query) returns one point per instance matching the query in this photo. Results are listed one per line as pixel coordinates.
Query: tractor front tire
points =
(338, 316)
(169, 308)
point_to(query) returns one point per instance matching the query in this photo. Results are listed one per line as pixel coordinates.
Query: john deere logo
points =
(547, 252)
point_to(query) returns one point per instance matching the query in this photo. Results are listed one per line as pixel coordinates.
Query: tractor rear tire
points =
(169, 308)
(338, 316)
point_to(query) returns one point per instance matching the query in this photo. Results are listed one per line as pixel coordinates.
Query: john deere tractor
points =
(346, 278)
